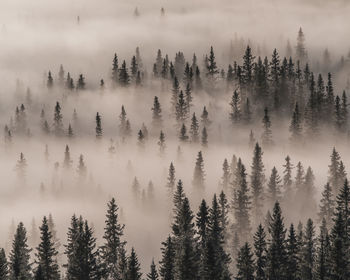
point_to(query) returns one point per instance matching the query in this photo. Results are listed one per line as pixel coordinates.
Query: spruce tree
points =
(124, 78)
(198, 175)
(171, 180)
(235, 114)
(296, 126)
(205, 121)
(327, 206)
(46, 253)
(242, 202)
(153, 274)
(245, 263)
(134, 268)
(3, 265)
(161, 142)
(267, 133)
(204, 137)
(19, 259)
(98, 126)
(292, 249)
(274, 187)
(113, 232)
(257, 179)
(194, 130)
(260, 250)
(156, 115)
(308, 252)
(166, 265)
(277, 255)
(225, 179)
(58, 123)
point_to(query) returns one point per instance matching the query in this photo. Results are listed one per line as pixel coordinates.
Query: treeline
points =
(216, 242)
(196, 248)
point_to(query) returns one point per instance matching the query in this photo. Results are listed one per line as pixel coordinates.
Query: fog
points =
(83, 35)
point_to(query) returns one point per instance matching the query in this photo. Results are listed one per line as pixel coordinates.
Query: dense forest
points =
(180, 159)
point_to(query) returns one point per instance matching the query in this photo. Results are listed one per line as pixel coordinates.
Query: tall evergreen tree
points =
(166, 268)
(260, 250)
(198, 175)
(267, 133)
(98, 126)
(245, 263)
(153, 274)
(19, 259)
(46, 253)
(134, 268)
(3, 265)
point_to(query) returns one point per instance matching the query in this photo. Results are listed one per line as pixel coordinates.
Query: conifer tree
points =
(115, 70)
(292, 249)
(171, 180)
(46, 253)
(166, 268)
(194, 131)
(276, 257)
(245, 263)
(327, 205)
(81, 82)
(133, 272)
(156, 115)
(322, 270)
(186, 262)
(257, 179)
(198, 175)
(21, 167)
(161, 142)
(3, 265)
(98, 126)
(113, 232)
(235, 104)
(19, 259)
(58, 123)
(274, 187)
(70, 131)
(212, 69)
(181, 109)
(183, 133)
(334, 176)
(296, 126)
(153, 274)
(49, 81)
(260, 250)
(205, 121)
(204, 137)
(124, 78)
(308, 252)
(267, 133)
(67, 162)
(225, 179)
(241, 202)
(175, 94)
(301, 53)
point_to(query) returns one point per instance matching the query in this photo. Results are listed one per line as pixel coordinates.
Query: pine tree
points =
(260, 246)
(67, 162)
(19, 259)
(46, 253)
(308, 251)
(276, 257)
(153, 274)
(161, 142)
(98, 126)
(292, 251)
(124, 78)
(301, 53)
(194, 131)
(274, 187)
(198, 175)
(241, 202)
(156, 115)
(235, 104)
(70, 131)
(81, 82)
(181, 109)
(327, 205)
(183, 133)
(257, 179)
(322, 270)
(166, 268)
(3, 265)
(58, 123)
(296, 126)
(267, 133)
(334, 171)
(245, 263)
(113, 232)
(205, 121)
(49, 83)
(212, 69)
(175, 94)
(186, 262)
(204, 137)
(115, 70)
(171, 180)
(225, 179)
(133, 272)
(287, 177)
(21, 167)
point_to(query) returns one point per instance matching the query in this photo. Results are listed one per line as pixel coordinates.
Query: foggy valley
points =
(174, 140)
